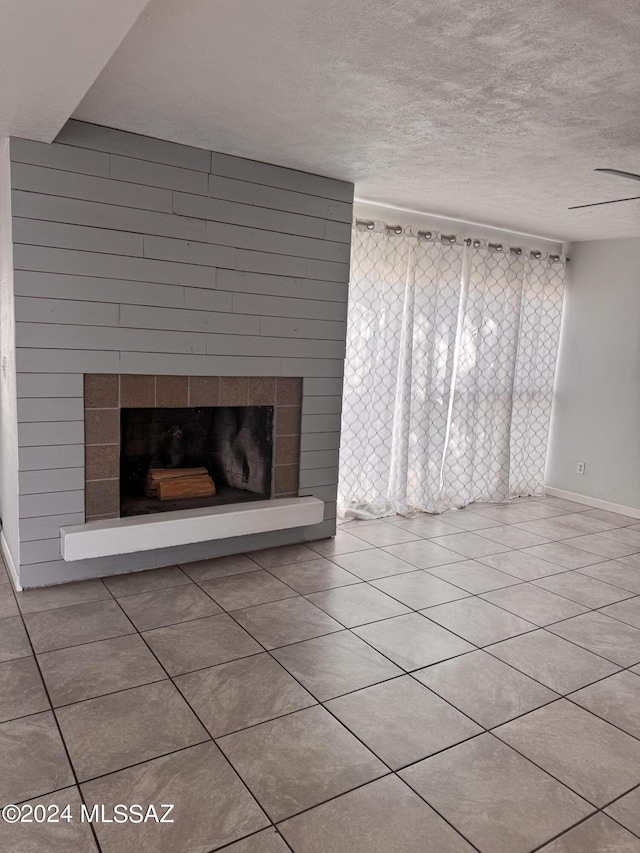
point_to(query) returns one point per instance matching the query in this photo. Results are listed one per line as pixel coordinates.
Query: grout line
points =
(357, 582)
(57, 724)
(210, 739)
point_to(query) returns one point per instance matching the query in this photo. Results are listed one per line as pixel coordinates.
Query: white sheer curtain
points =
(451, 351)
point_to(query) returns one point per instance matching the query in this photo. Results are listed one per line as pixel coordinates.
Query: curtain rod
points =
(458, 220)
(370, 224)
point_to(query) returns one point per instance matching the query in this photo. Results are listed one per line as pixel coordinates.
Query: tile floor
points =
(463, 682)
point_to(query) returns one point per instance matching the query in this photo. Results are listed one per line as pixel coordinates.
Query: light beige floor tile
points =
(624, 535)
(603, 636)
(593, 758)
(598, 834)
(372, 564)
(122, 729)
(473, 577)
(32, 748)
(554, 662)
(8, 606)
(63, 836)
(401, 721)
(534, 604)
(147, 581)
(615, 518)
(470, 544)
(14, 642)
(468, 520)
(484, 688)
(579, 587)
(615, 699)
(513, 537)
(419, 589)
(265, 841)
(269, 557)
(314, 575)
(342, 543)
(585, 523)
(94, 669)
(627, 811)
(280, 623)
(247, 589)
(564, 554)
(496, 798)
(168, 606)
(480, 622)
(298, 761)
(380, 817)
(604, 546)
(412, 641)
(21, 689)
(424, 554)
(521, 565)
(335, 664)
(549, 528)
(61, 595)
(219, 567)
(357, 604)
(75, 625)
(200, 643)
(626, 611)
(242, 693)
(211, 805)
(380, 535)
(616, 573)
(504, 513)
(426, 526)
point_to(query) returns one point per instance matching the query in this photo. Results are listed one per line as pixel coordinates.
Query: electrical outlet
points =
(581, 467)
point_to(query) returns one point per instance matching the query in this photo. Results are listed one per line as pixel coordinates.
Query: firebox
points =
(232, 445)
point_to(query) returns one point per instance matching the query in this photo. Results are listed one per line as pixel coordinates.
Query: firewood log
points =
(174, 488)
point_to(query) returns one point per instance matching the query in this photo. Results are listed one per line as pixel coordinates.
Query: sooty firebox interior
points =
(234, 444)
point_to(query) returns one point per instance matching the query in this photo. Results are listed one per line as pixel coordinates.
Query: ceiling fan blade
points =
(631, 175)
(597, 203)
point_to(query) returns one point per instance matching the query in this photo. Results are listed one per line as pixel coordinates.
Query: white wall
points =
(596, 415)
(8, 413)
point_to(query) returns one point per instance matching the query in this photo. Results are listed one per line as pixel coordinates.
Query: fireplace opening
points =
(231, 445)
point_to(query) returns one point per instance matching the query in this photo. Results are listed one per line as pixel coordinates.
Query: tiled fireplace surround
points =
(106, 394)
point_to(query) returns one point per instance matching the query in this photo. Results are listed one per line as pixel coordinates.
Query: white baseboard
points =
(9, 561)
(631, 511)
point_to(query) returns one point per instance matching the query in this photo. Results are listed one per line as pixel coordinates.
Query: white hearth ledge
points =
(166, 529)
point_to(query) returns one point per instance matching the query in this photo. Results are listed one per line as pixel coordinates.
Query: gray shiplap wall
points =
(135, 255)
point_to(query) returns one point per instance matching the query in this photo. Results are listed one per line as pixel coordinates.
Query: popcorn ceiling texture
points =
(496, 112)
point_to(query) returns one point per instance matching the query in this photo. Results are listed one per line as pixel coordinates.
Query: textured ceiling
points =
(495, 111)
(50, 54)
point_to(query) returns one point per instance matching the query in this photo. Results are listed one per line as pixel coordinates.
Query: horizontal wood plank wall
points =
(135, 255)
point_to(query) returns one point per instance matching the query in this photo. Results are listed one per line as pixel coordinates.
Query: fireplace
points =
(233, 444)
(244, 432)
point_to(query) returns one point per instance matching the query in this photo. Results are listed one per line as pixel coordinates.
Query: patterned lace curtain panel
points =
(451, 354)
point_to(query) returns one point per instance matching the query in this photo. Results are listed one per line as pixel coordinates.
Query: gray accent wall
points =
(135, 255)
(8, 416)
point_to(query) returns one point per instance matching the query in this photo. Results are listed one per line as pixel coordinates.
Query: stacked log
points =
(176, 483)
